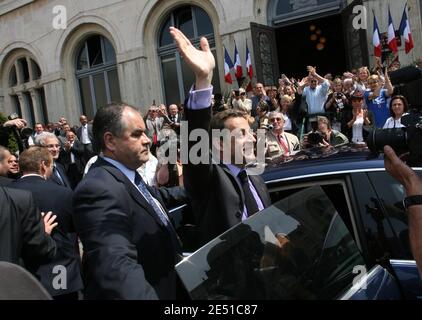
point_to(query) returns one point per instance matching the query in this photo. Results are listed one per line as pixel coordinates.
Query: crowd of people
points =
(105, 186)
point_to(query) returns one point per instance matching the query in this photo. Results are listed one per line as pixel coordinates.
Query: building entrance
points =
(319, 43)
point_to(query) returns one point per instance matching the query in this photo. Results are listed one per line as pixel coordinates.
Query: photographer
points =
(413, 203)
(324, 136)
(13, 125)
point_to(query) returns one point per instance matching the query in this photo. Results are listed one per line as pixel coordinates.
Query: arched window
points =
(96, 72)
(284, 10)
(194, 22)
(26, 90)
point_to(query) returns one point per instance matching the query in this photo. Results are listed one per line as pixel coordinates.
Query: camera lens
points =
(395, 138)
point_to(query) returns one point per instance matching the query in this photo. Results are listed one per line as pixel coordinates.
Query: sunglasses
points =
(275, 119)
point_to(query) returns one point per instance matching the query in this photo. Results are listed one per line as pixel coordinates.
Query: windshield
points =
(299, 248)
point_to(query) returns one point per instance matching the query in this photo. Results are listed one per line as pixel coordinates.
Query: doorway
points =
(318, 42)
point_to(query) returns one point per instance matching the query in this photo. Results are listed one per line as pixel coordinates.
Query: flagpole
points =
(410, 29)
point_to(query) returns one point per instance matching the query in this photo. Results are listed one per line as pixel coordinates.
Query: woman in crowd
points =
(285, 109)
(376, 98)
(398, 108)
(357, 118)
(261, 120)
(337, 102)
(362, 79)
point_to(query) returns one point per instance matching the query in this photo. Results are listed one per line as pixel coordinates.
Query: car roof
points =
(322, 161)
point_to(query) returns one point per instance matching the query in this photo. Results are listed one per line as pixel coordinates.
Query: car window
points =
(391, 194)
(299, 248)
(333, 189)
(380, 240)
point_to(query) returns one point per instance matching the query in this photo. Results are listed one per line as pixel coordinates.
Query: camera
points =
(236, 93)
(403, 140)
(22, 135)
(315, 138)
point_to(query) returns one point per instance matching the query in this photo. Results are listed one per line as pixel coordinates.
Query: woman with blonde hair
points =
(362, 79)
(376, 98)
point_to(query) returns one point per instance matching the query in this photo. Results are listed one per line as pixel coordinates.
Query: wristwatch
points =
(412, 201)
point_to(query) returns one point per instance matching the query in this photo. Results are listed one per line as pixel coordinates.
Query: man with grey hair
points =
(280, 143)
(52, 143)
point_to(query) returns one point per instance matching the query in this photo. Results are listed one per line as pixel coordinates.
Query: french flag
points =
(249, 63)
(237, 64)
(392, 41)
(406, 32)
(376, 39)
(228, 65)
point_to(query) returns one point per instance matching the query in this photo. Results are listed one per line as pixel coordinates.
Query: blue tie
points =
(147, 195)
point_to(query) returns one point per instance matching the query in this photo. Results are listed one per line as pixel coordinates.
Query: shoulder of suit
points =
(17, 195)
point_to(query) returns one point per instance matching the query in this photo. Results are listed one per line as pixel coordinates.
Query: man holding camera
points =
(11, 126)
(413, 202)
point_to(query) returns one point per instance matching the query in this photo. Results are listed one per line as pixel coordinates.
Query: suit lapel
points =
(235, 182)
(63, 175)
(133, 191)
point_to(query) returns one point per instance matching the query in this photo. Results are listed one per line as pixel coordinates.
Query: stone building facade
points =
(68, 57)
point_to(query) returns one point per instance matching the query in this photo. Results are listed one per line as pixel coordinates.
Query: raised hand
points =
(18, 123)
(201, 62)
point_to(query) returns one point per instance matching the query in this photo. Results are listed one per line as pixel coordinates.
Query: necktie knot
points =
(243, 176)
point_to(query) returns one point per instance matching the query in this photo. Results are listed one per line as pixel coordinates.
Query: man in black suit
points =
(52, 143)
(85, 136)
(23, 233)
(130, 246)
(222, 193)
(71, 157)
(36, 164)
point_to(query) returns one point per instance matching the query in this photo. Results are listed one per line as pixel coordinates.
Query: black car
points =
(337, 229)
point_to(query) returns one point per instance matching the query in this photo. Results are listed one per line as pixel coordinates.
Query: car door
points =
(299, 248)
(390, 196)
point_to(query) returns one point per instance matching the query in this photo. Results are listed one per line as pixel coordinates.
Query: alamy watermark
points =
(60, 18)
(60, 281)
(360, 21)
(360, 281)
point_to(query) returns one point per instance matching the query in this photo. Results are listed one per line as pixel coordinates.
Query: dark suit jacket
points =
(51, 197)
(128, 252)
(4, 182)
(215, 193)
(63, 174)
(90, 135)
(22, 230)
(78, 152)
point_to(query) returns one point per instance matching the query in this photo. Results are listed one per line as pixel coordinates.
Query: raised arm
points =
(201, 62)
